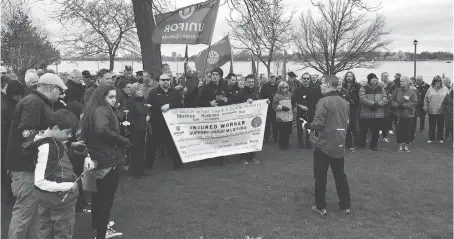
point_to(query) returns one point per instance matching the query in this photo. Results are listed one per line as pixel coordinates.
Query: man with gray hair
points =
(331, 122)
(31, 81)
(421, 88)
(75, 90)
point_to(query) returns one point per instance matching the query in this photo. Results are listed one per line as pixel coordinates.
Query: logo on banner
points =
(187, 12)
(256, 122)
(178, 128)
(213, 57)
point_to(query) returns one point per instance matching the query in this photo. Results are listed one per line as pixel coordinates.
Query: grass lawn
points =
(394, 195)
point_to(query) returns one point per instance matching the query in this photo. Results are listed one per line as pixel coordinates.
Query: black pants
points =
(301, 132)
(422, 119)
(137, 160)
(321, 164)
(364, 125)
(413, 128)
(436, 123)
(404, 129)
(271, 124)
(387, 125)
(102, 201)
(161, 134)
(352, 132)
(285, 129)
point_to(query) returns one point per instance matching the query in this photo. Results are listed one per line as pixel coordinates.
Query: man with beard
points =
(304, 100)
(314, 81)
(353, 91)
(422, 88)
(191, 89)
(161, 100)
(148, 84)
(104, 78)
(233, 85)
(268, 91)
(214, 93)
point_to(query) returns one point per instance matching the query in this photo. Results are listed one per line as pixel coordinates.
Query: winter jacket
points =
(245, 94)
(308, 97)
(434, 99)
(88, 93)
(30, 115)
(157, 98)
(122, 104)
(368, 96)
(293, 85)
(103, 139)
(148, 87)
(267, 92)
(137, 114)
(447, 105)
(285, 100)
(404, 102)
(75, 92)
(331, 122)
(422, 90)
(353, 92)
(212, 92)
(389, 89)
(30, 89)
(54, 173)
(233, 91)
(8, 105)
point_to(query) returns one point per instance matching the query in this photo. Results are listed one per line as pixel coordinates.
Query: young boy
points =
(55, 179)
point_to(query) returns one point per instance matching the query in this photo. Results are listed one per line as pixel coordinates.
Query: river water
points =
(428, 69)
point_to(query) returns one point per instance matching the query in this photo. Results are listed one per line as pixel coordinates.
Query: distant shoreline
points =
(172, 60)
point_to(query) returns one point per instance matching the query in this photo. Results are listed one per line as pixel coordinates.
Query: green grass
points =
(394, 195)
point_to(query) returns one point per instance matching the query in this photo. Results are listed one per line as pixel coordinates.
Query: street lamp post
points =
(415, 42)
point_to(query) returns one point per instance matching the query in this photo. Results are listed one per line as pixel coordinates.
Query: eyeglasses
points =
(165, 79)
(306, 78)
(214, 74)
(3, 73)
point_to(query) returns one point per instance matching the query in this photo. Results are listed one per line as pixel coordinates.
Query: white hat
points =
(52, 79)
(164, 77)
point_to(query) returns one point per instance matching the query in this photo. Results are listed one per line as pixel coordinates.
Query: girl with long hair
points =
(101, 130)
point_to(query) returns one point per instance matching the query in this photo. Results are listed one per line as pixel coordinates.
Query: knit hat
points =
(52, 79)
(128, 68)
(219, 71)
(291, 74)
(14, 88)
(370, 77)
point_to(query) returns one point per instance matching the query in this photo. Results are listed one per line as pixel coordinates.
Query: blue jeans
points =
(24, 221)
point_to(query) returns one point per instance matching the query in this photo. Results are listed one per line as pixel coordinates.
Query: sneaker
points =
(390, 132)
(386, 140)
(406, 149)
(429, 141)
(321, 212)
(246, 162)
(254, 161)
(380, 132)
(351, 150)
(111, 233)
(400, 148)
(441, 141)
(347, 211)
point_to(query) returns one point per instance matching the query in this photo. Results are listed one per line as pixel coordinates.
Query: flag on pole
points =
(220, 53)
(186, 60)
(189, 25)
(254, 70)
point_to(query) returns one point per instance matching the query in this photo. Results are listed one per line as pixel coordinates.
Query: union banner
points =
(189, 25)
(208, 132)
(220, 53)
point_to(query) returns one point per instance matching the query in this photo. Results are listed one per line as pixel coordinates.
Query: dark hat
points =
(398, 75)
(292, 74)
(14, 88)
(86, 73)
(371, 76)
(219, 71)
(128, 68)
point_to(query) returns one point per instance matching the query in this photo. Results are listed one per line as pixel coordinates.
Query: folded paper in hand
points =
(304, 123)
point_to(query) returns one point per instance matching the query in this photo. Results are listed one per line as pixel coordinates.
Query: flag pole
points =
(206, 60)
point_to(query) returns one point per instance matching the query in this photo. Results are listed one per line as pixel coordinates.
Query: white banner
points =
(208, 132)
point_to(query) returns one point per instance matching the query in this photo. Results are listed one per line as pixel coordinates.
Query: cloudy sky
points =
(428, 21)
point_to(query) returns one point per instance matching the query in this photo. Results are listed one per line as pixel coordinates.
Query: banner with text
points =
(189, 25)
(208, 132)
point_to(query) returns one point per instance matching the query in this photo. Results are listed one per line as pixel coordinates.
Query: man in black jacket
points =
(422, 88)
(214, 93)
(30, 115)
(75, 90)
(268, 91)
(304, 100)
(161, 100)
(352, 88)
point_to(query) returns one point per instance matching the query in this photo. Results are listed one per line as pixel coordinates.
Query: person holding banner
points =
(331, 122)
(214, 93)
(161, 100)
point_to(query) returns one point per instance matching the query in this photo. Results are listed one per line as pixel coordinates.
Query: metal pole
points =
(415, 64)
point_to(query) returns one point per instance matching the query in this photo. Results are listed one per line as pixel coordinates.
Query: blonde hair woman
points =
(284, 114)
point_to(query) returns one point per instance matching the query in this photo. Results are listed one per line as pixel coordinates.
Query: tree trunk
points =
(145, 24)
(111, 62)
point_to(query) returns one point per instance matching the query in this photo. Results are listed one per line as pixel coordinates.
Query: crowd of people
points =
(56, 128)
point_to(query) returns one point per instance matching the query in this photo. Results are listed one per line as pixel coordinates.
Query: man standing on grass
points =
(331, 122)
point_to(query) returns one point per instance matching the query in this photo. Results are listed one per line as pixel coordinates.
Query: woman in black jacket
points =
(101, 130)
(137, 116)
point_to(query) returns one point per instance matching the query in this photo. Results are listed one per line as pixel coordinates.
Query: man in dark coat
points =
(422, 88)
(214, 93)
(352, 88)
(75, 90)
(268, 91)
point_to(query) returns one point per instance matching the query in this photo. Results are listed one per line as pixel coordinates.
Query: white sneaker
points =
(111, 233)
(400, 148)
(390, 132)
(380, 132)
(386, 140)
(441, 142)
(429, 141)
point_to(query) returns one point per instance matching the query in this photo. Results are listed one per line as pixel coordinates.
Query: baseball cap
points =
(52, 79)
(164, 77)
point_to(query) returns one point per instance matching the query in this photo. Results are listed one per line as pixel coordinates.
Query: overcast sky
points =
(428, 21)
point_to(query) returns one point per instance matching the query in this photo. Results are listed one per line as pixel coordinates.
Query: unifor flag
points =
(220, 53)
(193, 24)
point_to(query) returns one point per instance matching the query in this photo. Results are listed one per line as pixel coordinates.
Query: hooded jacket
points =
(54, 173)
(433, 100)
(368, 96)
(331, 122)
(211, 91)
(137, 114)
(404, 102)
(268, 91)
(75, 92)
